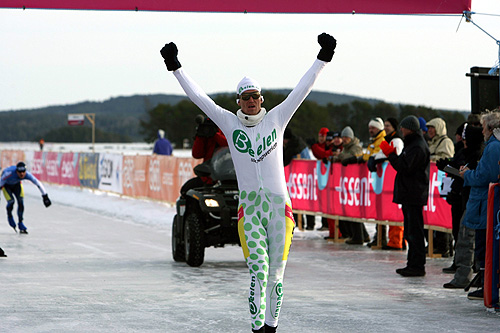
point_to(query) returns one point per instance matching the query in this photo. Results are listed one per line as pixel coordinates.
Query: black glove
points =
(46, 200)
(372, 166)
(349, 160)
(328, 44)
(441, 163)
(207, 129)
(169, 53)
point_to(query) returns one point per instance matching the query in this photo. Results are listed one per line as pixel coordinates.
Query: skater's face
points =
(250, 106)
(21, 174)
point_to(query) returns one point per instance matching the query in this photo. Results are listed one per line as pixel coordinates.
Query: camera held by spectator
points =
(206, 127)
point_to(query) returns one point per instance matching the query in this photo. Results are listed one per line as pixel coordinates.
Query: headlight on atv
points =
(211, 203)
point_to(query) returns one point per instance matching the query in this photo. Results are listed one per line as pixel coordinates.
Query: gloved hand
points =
(441, 163)
(46, 200)
(169, 53)
(328, 44)
(372, 166)
(349, 160)
(386, 148)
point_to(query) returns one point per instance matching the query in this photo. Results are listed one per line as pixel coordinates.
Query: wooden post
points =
(91, 118)
(300, 222)
(430, 248)
(378, 246)
(336, 234)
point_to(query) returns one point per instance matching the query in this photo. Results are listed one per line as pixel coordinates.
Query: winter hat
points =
(347, 132)
(377, 123)
(460, 129)
(336, 134)
(323, 131)
(411, 123)
(21, 167)
(422, 123)
(394, 123)
(247, 83)
(161, 133)
(473, 136)
(329, 135)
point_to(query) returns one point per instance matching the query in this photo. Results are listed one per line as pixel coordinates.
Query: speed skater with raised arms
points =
(255, 139)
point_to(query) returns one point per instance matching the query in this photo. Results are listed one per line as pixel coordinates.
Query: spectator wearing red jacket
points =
(319, 149)
(207, 140)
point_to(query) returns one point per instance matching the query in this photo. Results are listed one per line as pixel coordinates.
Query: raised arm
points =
(288, 107)
(169, 53)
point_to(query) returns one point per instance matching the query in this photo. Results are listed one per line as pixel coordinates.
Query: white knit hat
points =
(377, 123)
(247, 83)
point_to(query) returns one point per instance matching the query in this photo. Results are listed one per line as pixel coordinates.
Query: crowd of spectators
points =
(410, 147)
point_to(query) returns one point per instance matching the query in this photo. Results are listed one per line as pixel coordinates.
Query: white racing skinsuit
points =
(265, 220)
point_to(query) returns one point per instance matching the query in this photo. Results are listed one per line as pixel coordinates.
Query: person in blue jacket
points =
(162, 146)
(479, 179)
(11, 185)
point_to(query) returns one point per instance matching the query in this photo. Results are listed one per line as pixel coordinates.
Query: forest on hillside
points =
(138, 118)
(178, 120)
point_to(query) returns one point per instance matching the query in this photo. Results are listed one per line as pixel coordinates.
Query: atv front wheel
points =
(194, 240)
(178, 250)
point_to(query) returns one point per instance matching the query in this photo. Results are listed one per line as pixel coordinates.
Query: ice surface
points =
(95, 262)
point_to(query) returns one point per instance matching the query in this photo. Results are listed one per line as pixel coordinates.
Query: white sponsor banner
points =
(110, 172)
(76, 119)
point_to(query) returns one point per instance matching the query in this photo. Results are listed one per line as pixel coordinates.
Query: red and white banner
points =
(69, 169)
(257, 6)
(76, 119)
(354, 191)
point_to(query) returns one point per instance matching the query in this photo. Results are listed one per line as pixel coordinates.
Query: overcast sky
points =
(54, 57)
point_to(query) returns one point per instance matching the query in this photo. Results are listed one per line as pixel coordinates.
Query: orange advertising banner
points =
(135, 175)
(11, 157)
(166, 175)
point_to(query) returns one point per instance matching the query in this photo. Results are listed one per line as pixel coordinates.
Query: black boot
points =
(2, 254)
(270, 329)
(260, 330)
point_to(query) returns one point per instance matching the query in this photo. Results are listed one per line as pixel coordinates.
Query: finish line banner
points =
(354, 191)
(256, 6)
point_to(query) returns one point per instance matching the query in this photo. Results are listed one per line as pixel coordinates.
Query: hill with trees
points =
(137, 118)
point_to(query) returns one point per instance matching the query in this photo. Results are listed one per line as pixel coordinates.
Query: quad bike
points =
(207, 216)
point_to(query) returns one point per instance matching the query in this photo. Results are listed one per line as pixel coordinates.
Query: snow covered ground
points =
(96, 262)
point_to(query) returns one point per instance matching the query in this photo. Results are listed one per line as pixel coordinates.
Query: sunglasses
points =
(246, 97)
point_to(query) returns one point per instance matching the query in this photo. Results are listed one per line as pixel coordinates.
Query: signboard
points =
(110, 172)
(76, 119)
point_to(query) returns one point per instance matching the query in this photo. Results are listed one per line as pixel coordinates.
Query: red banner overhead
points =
(256, 6)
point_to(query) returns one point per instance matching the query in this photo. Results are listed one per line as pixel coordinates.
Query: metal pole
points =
(468, 17)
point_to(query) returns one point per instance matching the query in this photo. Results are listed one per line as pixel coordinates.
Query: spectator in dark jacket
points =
(464, 242)
(295, 147)
(411, 190)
